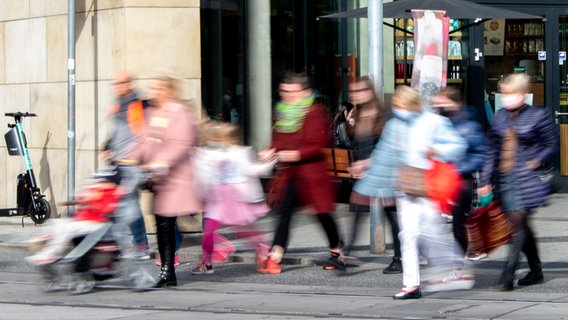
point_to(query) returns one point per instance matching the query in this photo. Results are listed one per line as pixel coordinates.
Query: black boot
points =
(531, 251)
(394, 267)
(167, 277)
(515, 246)
(535, 276)
(165, 227)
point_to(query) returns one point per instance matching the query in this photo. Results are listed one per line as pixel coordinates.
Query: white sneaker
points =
(423, 260)
(40, 259)
(475, 255)
(37, 243)
(136, 254)
(455, 280)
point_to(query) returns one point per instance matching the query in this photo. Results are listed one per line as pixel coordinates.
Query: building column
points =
(259, 73)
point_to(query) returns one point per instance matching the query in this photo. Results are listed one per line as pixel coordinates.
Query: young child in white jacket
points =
(227, 176)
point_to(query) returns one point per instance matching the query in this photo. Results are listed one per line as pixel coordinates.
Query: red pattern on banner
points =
(431, 36)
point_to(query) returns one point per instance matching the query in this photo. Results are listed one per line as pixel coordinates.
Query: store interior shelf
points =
(407, 81)
(410, 58)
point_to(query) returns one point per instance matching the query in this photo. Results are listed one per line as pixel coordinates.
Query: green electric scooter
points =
(31, 203)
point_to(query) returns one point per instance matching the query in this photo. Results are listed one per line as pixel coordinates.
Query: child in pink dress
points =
(228, 181)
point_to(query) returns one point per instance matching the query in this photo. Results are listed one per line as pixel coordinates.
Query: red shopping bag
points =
(443, 185)
(488, 228)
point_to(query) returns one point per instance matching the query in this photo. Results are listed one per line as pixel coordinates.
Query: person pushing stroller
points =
(95, 203)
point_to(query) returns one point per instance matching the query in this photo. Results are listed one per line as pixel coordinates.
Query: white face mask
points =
(402, 113)
(512, 101)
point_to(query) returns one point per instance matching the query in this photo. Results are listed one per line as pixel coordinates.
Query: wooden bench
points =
(338, 162)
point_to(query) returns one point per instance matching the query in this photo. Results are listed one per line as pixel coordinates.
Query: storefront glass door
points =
(512, 46)
(529, 46)
(562, 111)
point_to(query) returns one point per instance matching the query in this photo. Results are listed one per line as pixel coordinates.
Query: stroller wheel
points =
(53, 286)
(138, 277)
(81, 283)
(51, 279)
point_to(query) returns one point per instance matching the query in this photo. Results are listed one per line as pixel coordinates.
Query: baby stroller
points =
(95, 255)
(94, 258)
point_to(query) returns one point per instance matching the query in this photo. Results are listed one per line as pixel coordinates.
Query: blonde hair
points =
(516, 82)
(409, 97)
(215, 133)
(171, 84)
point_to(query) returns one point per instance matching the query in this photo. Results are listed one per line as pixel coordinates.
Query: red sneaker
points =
(269, 267)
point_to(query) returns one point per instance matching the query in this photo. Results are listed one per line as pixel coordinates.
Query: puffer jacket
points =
(473, 158)
(537, 139)
(406, 141)
(379, 181)
(431, 131)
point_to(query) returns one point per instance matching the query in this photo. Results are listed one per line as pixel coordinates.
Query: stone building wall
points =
(146, 37)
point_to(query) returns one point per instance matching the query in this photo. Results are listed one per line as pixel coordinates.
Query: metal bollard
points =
(377, 222)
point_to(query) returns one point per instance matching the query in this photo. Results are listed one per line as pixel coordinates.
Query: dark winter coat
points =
(537, 139)
(309, 175)
(472, 132)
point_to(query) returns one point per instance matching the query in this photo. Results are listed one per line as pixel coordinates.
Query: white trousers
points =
(63, 230)
(423, 229)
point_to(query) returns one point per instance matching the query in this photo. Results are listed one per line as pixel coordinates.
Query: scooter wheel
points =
(42, 213)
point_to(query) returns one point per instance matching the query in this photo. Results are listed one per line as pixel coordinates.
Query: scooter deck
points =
(11, 212)
(86, 244)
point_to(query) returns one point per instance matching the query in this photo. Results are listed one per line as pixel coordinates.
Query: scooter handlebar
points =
(20, 114)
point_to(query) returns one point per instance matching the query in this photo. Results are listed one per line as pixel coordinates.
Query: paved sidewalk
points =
(308, 244)
(360, 293)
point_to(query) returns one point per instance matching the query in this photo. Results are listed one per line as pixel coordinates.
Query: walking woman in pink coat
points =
(167, 154)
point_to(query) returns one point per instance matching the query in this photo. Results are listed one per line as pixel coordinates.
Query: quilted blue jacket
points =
(474, 156)
(537, 140)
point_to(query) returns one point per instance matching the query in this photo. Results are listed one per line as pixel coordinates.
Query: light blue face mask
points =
(403, 114)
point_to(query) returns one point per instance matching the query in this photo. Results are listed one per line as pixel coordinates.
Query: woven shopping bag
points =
(488, 228)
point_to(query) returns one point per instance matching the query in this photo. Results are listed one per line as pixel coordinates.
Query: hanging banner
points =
(431, 37)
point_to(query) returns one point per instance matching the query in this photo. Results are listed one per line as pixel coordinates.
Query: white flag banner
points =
(430, 53)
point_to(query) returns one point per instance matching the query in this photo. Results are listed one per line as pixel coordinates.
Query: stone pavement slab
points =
(308, 244)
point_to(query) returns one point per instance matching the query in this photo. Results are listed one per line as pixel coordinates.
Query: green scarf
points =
(290, 116)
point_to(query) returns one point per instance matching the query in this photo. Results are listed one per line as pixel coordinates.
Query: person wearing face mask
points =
(448, 103)
(428, 137)
(412, 137)
(523, 140)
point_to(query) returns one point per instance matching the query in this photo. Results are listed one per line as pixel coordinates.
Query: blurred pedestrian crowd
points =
(424, 166)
